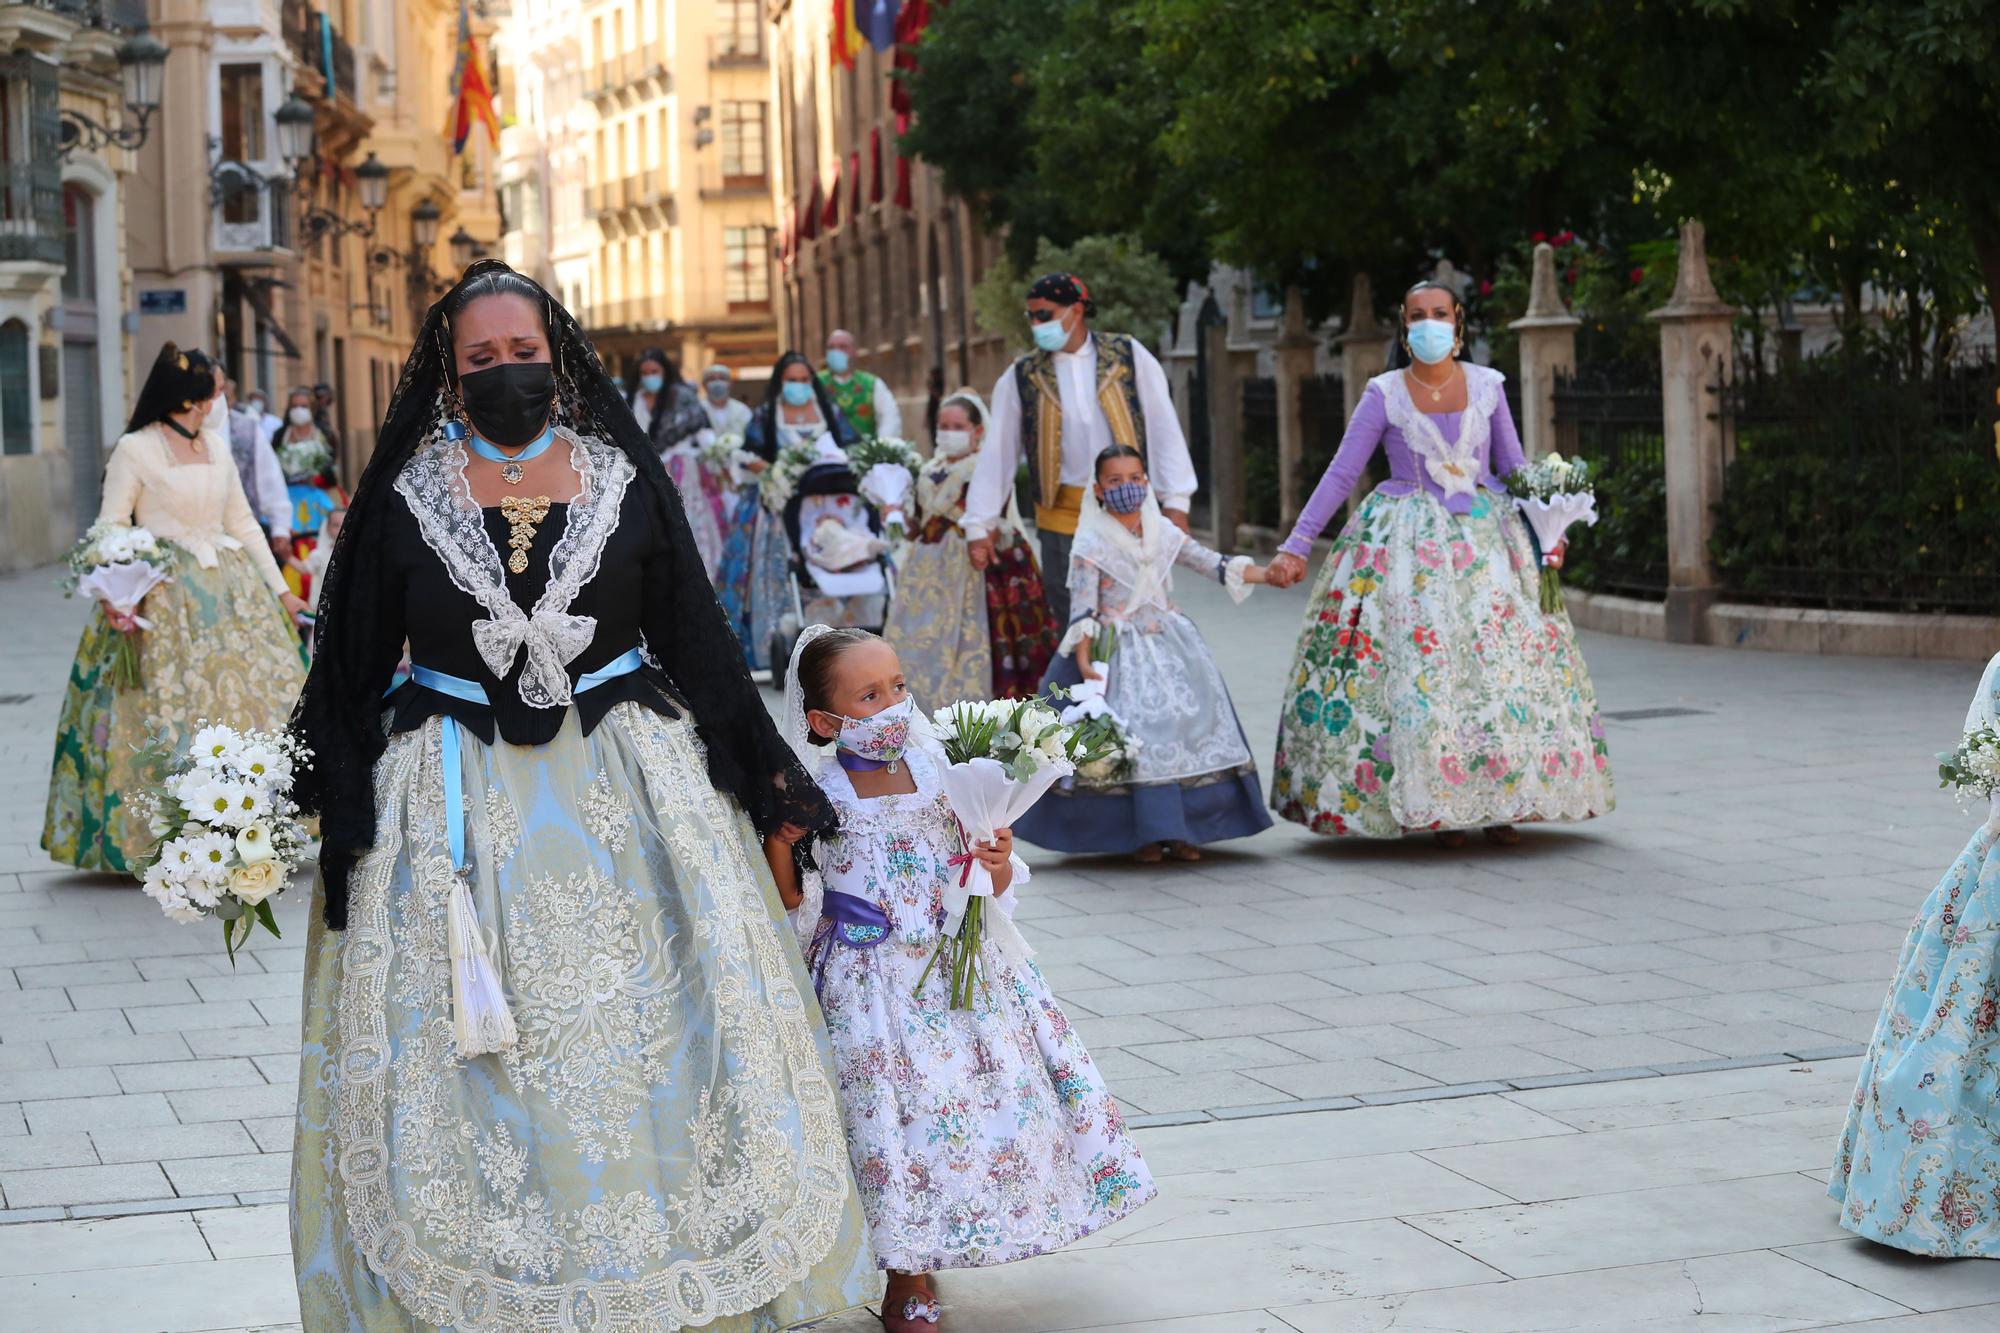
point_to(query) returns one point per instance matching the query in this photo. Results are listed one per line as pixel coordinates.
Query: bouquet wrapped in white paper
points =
(230, 833)
(888, 486)
(1553, 493)
(728, 460)
(1001, 757)
(118, 565)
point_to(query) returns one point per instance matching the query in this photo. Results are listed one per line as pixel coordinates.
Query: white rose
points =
(255, 882)
(254, 843)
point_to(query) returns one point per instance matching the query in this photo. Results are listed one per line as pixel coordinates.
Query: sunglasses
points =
(1044, 316)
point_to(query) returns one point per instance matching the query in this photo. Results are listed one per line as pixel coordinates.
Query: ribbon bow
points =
(553, 640)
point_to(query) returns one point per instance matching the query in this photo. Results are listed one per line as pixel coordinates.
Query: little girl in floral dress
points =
(978, 1136)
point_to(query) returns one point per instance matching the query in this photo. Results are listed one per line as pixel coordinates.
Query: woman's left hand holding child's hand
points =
(996, 857)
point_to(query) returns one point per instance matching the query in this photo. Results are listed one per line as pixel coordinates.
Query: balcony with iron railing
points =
(321, 48)
(641, 189)
(629, 70)
(31, 213)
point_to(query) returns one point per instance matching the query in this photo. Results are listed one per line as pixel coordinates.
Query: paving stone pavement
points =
(1778, 824)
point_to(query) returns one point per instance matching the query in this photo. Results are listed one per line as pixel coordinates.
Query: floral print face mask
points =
(880, 739)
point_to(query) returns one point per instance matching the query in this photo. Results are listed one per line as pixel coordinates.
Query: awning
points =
(258, 294)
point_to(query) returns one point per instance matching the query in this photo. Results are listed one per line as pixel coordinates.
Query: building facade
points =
(261, 244)
(65, 285)
(635, 170)
(869, 243)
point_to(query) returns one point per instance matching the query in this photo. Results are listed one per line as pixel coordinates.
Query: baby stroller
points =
(828, 505)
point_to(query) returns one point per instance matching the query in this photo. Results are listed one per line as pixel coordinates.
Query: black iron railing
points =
(1613, 419)
(1848, 486)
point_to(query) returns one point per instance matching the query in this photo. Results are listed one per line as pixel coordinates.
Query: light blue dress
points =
(1919, 1160)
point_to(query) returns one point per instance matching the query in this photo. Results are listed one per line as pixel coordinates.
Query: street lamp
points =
(424, 225)
(142, 58)
(463, 243)
(374, 181)
(295, 129)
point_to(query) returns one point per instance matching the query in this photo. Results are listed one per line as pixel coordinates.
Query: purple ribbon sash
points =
(848, 920)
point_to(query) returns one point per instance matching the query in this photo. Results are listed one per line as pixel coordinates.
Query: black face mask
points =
(509, 403)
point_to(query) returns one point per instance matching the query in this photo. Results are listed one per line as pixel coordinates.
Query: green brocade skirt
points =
(221, 649)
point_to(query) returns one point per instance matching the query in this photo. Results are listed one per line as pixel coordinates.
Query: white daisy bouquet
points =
(303, 460)
(1552, 493)
(1973, 769)
(230, 833)
(118, 564)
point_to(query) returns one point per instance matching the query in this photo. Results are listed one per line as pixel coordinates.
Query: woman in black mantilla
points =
(560, 1067)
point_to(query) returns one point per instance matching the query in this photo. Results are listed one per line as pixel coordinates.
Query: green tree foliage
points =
(1134, 291)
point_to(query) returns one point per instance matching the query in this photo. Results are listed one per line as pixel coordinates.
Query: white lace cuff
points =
(1232, 578)
(1021, 872)
(1078, 629)
(975, 528)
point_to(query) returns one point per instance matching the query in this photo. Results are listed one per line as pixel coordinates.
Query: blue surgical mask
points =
(1125, 498)
(1431, 340)
(836, 360)
(718, 391)
(652, 383)
(1051, 335)
(797, 393)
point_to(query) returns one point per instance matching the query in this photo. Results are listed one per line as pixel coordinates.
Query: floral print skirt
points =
(732, 572)
(1429, 690)
(1919, 1160)
(221, 648)
(661, 1149)
(978, 1136)
(1023, 632)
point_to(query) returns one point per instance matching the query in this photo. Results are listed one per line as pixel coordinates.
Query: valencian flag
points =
(844, 46)
(471, 95)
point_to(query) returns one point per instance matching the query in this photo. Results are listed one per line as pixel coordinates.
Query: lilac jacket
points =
(1482, 438)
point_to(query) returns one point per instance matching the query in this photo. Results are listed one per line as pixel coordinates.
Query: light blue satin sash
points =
(458, 687)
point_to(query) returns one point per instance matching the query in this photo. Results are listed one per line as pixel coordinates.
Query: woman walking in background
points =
(219, 643)
(305, 455)
(964, 633)
(670, 414)
(796, 411)
(1429, 689)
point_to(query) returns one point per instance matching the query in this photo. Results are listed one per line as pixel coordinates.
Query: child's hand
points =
(994, 855)
(1256, 574)
(786, 835)
(1286, 570)
(1085, 666)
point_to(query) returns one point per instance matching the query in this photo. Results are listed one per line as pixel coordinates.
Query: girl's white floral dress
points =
(977, 1136)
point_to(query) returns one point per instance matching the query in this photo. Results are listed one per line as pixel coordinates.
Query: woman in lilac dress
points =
(1429, 689)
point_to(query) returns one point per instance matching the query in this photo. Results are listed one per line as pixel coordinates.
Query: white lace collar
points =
(839, 788)
(1454, 465)
(1143, 561)
(433, 484)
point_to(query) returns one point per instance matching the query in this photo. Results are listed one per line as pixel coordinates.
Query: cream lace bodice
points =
(199, 507)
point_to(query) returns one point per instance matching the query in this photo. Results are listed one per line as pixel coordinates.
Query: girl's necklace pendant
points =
(511, 473)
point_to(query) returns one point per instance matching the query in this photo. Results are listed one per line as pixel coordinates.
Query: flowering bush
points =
(230, 834)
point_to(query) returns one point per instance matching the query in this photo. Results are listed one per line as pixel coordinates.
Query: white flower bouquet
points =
(304, 460)
(1553, 493)
(1973, 769)
(782, 477)
(230, 833)
(727, 459)
(118, 565)
(888, 487)
(1100, 733)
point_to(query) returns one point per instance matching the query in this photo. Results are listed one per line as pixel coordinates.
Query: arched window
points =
(16, 402)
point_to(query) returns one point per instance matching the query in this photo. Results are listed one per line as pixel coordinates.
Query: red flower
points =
(1638, 276)
(1486, 286)
(1562, 238)
(1569, 275)
(1539, 237)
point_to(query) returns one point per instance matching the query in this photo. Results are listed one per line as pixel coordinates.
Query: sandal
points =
(1183, 851)
(1503, 835)
(920, 1312)
(1450, 839)
(1149, 855)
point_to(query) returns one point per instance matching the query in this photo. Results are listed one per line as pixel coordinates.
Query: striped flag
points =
(845, 43)
(471, 95)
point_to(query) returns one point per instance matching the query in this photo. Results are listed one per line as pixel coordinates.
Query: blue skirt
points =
(1126, 816)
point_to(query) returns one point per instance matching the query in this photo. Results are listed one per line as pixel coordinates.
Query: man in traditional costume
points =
(864, 399)
(1075, 395)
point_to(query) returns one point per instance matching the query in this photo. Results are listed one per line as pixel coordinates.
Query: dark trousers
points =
(1055, 574)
